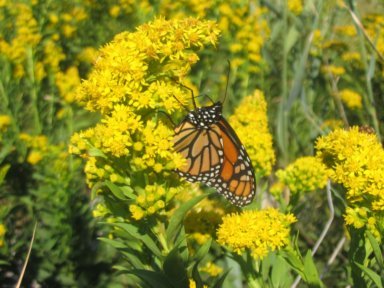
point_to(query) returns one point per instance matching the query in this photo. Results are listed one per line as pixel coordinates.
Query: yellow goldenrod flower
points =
(39, 71)
(67, 82)
(5, 120)
(53, 55)
(25, 35)
(2, 230)
(347, 30)
(351, 56)
(317, 43)
(356, 217)
(212, 269)
(304, 175)
(259, 231)
(356, 159)
(88, 54)
(68, 30)
(332, 124)
(251, 125)
(100, 211)
(277, 189)
(34, 157)
(114, 11)
(295, 6)
(351, 98)
(192, 284)
(333, 69)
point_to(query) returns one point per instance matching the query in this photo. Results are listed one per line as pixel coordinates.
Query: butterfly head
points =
(203, 117)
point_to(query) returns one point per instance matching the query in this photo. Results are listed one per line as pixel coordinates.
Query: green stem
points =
(253, 283)
(161, 237)
(33, 92)
(3, 97)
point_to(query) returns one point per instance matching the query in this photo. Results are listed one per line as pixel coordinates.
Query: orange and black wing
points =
(236, 180)
(202, 148)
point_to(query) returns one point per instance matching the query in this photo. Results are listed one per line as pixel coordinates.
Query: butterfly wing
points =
(216, 157)
(202, 148)
(236, 180)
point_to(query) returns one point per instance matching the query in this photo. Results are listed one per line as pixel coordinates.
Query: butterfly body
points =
(214, 154)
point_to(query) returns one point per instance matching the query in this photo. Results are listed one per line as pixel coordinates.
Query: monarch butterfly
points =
(215, 155)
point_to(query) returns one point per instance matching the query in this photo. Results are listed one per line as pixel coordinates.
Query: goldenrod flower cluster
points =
(38, 147)
(304, 175)
(346, 30)
(277, 189)
(212, 269)
(333, 70)
(295, 6)
(25, 32)
(34, 50)
(251, 125)
(242, 24)
(151, 200)
(3, 230)
(201, 222)
(67, 83)
(5, 121)
(351, 56)
(258, 231)
(373, 25)
(357, 162)
(351, 98)
(317, 43)
(135, 76)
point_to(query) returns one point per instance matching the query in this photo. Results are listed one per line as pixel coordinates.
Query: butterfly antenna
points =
(160, 112)
(189, 89)
(206, 95)
(181, 104)
(193, 96)
(226, 86)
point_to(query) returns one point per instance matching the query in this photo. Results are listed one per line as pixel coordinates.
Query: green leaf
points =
(3, 171)
(116, 191)
(293, 260)
(175, 268)
(291, 39)
(3, 262)
(371, 274)
(153, 279)
(134, 232)
(94, 152)
(113, 243)
(120, 268)
(376, 249)
(94, 189)
(176, 221)
(203, 251)
(219, 282)
(128, 191)
(133, 260)
(280, 276)
(196, 276)
(311, 276)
